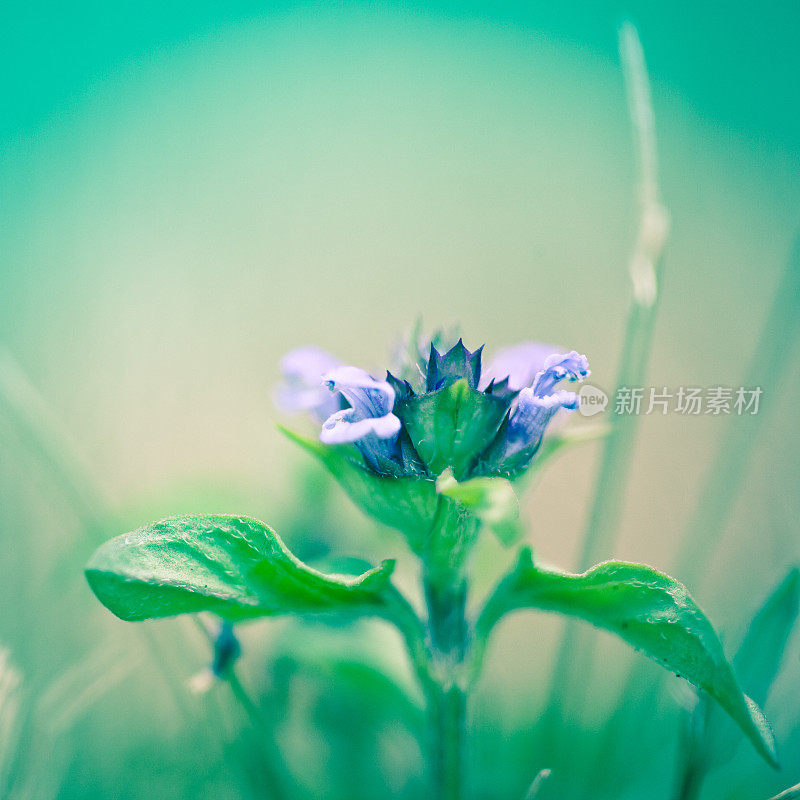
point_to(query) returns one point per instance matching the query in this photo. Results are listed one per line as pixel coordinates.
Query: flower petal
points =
(570, 366)
(369, 423)
(368, 397)
(532, 411)
(528, 421)
(343, 428)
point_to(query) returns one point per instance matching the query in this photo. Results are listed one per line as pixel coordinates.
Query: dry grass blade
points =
(792, 793)
(536, 786)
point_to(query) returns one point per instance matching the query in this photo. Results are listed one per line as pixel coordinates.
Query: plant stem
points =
(536, 785)
(723, 483)
(645, 267)
(447, 753)
(448, 635)
(39, 432)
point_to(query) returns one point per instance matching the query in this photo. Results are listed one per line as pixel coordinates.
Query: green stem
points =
(447, 754)
(270, 761)
(39, 432)
(37, 429)
(448, 635)
(792, 793)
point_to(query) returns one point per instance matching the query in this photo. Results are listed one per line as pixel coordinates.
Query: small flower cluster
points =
(443, 410)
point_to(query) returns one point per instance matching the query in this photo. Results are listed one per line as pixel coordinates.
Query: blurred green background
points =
(190, 190)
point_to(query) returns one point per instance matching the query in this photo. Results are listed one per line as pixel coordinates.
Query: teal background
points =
(738, 65)
(188, 191)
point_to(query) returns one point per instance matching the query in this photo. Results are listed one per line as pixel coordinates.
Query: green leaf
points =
(757, 662)
(646, 608)
(407, 504)
(236, 567)
(451, 427)
(492, 500)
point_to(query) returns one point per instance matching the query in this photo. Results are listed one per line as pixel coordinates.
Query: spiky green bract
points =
(452, 426)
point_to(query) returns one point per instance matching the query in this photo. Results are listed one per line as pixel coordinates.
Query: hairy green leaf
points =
(647, 609)
(407, 504)
(492, 500)
(236, 567)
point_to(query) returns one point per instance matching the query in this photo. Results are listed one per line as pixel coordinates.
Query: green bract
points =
(452, 426)
(440, 519)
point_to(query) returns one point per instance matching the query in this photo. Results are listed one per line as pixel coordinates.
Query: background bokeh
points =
(190, 190)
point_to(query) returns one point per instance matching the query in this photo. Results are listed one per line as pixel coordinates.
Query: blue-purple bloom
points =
(570, 366)
(533, 408)
(518, 387)
(369, 422)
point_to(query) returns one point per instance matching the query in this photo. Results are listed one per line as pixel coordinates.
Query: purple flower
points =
(533, 409)
(369, 422)
(527, 423)
(303, 388)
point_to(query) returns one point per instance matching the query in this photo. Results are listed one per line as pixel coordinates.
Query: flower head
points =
(533, 409)
(444, 412)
